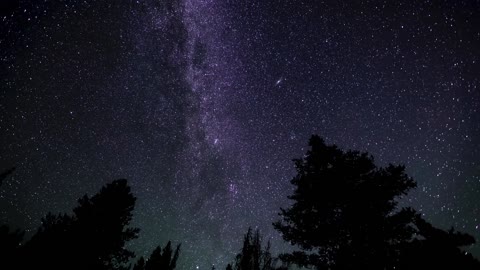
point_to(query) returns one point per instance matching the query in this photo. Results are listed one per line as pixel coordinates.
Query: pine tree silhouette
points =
(344, 214)
(93, 238)
(140, 265)
(437, 249)
(253, 256)
(103, 220)
(10, 243)
(160, 260)
(10, 240)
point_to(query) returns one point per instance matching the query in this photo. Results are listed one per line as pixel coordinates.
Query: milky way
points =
(201, 105)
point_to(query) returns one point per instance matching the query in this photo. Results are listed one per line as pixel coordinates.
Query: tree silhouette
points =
(93, 238)
(437, 249)
(345, 214)
(160, 260)
(10, 241)
(253, 256)
(103, 220)
(229, 267)
(140, 265)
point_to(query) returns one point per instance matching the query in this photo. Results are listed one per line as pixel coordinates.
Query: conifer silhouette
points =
(345, 212)
(345, 216)
(165, 259)
(140, 265)
(10, 244)
(437, 249)
(10, 240)
(253, 256)
(93, 238)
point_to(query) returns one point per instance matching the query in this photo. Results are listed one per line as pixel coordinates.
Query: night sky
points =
(203, 104)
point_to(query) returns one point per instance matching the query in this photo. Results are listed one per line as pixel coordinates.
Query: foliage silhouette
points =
(253, 256)
(93, 238)
(140, 265)
(10, 244)
(10, 241)
(345, 215)
(160, 260)
(437, 249)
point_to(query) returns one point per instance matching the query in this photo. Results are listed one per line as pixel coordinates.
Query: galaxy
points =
(203, 104)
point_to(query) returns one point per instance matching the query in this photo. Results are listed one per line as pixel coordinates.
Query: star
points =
(279, 81)
(189, 102)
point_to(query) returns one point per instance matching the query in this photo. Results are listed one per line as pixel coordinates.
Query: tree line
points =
(344, 215)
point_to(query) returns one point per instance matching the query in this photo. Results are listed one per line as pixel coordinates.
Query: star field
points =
(202, 105)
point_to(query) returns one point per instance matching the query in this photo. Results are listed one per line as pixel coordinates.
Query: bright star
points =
(279, 81)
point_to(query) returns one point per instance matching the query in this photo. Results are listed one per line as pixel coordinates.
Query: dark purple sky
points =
(201, 105)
